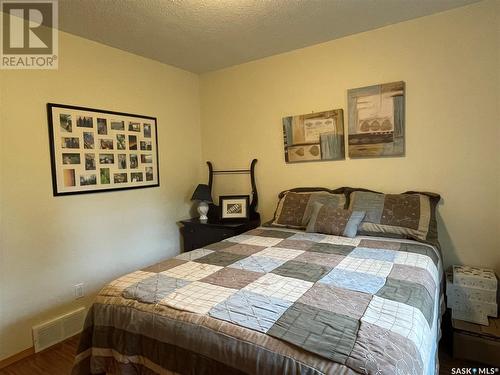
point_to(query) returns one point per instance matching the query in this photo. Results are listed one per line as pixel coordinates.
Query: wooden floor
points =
(58, 360)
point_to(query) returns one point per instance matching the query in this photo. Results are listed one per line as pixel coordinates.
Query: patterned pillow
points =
(295, 207)
(409, 215)
(334, 220)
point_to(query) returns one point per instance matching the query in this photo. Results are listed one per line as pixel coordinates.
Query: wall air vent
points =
(58, 329)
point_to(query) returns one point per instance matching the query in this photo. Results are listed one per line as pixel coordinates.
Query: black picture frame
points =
(148, 151)
(244, 200)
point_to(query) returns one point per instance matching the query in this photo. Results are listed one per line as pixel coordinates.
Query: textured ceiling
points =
(205, 35)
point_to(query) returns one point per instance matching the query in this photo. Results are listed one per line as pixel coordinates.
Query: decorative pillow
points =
(408, 215)
(295, 207)
(333, 220)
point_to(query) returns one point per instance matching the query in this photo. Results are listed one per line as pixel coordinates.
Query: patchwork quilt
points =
(272, 301)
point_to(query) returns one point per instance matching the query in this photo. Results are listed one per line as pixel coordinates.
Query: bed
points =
(272, 301)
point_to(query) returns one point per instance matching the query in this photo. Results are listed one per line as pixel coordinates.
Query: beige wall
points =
(48, 243)
(450, 62)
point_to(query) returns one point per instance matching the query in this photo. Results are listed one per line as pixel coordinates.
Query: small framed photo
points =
(234, 207)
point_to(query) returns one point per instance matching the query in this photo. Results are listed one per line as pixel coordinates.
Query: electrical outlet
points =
(79, 291)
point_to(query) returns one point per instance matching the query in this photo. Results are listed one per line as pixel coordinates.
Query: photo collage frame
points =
(97, 150)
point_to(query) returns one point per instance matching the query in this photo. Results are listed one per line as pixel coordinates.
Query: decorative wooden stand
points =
(214, 210)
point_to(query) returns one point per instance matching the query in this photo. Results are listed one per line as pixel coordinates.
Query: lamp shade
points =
(202, 193)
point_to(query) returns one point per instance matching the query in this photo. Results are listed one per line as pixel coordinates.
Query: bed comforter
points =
(272, 301)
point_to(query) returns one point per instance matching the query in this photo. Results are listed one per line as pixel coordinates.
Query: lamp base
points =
(203, 210)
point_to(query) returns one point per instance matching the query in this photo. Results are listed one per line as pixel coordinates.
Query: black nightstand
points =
(197, 234)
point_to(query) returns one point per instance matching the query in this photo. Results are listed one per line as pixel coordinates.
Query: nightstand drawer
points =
(476, 348)
(196, 234)
(196, 237)
(215, 232)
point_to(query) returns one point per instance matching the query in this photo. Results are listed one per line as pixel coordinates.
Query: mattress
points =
(272, 301)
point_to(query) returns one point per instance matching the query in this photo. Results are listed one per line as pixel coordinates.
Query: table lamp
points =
(202, 194)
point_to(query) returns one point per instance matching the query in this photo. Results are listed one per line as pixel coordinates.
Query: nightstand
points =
(476, 342)
(197, 234)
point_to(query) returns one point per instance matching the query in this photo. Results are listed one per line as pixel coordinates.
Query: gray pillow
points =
(334, 220)
(295, 208)
(407, 215)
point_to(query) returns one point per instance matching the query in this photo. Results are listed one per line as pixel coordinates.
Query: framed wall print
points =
(377, 120)
(314, 137)
(94, 150)
(234, 207)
